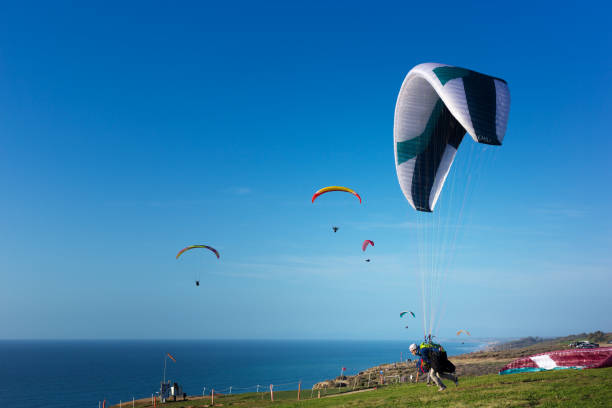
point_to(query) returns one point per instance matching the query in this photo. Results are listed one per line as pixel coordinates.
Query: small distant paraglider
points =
(463, 331)
(213, 250)
(335, 188)
(365, 245)
(402, 314)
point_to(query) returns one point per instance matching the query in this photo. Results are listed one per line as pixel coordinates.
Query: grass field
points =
(563, 388)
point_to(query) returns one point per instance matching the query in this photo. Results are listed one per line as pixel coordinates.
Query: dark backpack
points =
(440, 362)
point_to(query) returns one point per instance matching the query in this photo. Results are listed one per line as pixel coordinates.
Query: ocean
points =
(79, 374)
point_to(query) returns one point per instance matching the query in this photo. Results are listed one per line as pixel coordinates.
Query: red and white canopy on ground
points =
(561, 359)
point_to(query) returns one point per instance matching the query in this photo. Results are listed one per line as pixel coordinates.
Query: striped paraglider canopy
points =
(436, 106)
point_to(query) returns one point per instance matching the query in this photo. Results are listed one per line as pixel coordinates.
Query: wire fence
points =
(292, 389)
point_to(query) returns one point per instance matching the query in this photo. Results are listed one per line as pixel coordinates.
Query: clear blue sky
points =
(129, 130)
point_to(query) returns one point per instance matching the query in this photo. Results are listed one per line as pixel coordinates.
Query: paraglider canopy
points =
(197, 246)
(366, 243)
(335, 188)
(463, 331)
(190, 247)
(405, 312)
(436, 105)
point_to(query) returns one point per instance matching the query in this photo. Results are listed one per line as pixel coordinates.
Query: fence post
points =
(119, 403)
(132, 402)
(272, 392)
(319, 396)
(369, 375)
(299, 389)
(230, 390)
(212, 397)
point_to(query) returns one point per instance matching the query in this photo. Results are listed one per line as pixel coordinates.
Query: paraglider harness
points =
(435, 353)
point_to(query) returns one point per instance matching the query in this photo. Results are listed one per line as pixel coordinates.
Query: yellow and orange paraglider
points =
(335, 188)
(463, 331)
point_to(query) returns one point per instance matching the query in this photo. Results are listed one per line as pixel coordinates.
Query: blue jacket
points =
(424, 362)
(425, 354)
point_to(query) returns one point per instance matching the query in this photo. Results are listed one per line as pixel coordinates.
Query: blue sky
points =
(130, 131)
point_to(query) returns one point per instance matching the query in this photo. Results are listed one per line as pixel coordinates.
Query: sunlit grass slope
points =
(564, 388)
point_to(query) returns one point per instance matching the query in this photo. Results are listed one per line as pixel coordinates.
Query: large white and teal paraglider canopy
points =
(436, 106)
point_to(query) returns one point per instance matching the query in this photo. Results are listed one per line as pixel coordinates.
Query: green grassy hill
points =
(562, 388)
